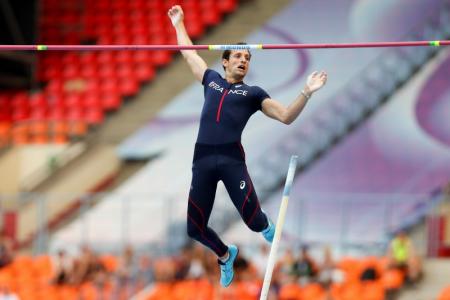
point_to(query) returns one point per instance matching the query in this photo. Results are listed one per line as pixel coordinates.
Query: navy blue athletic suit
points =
(219, 155)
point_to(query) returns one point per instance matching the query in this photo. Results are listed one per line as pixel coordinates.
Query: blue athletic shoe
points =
(226, 268)
(269, 232)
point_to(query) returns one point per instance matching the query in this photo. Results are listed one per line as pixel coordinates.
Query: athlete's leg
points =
(242, 192)
(201, 200)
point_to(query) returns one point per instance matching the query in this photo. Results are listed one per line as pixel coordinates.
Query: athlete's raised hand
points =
(316, 80)
(176, 15)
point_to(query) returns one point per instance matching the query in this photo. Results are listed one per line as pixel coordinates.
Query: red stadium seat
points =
(125, 57)
(56, 114)
(94, 116)
(111, 101)
(37, 101)
(89, 71)
(145, 72)
(20, 114)
(75, 114)
(142, 57)
(54, 86)
(107, 71)
(128, 86)
(126, 70)
(73, 100)
(161, 57)
(227, 6)
(20, 100)
(92, 100)
(71, 71)
(38, 114)
(106, 57)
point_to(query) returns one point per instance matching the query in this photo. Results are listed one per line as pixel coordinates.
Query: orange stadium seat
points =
(373, 291)
(445, 294)
(290, 292)
(248, 290)
(161, 291)
(392, 279)
(20, 134)
(5, 133)
(313, 291)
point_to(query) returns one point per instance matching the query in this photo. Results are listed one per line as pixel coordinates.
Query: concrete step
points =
(436, 278)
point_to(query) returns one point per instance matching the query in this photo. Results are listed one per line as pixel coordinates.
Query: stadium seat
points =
(5, 133)
(291, 291)
(445, 294)
(373, 291)
(393, 279)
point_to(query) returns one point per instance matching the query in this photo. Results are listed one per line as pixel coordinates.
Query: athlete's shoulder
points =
(258, 91)
(210, 75)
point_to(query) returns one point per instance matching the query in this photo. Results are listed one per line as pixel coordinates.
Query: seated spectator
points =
(197, 265)
(328, 271)
(145, 273)
(305, 267)
(87, 267)
(284, 271)
(62, 268)
(245, 269)
(402, 256)
(127, 266)
(6, 250)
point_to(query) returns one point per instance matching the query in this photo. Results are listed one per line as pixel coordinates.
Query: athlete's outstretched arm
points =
(287, 115)
(195, 62)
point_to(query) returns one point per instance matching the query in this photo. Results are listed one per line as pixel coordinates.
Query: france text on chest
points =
(217, 87)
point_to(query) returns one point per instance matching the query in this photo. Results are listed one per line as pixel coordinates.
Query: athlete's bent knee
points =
(193, 231)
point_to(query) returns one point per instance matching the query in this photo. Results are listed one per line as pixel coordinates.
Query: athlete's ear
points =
(224, 63)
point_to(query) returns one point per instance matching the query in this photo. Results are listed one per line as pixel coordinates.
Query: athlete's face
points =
(237, 65)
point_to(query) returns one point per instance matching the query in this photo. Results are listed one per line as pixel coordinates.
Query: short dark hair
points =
(226, 53)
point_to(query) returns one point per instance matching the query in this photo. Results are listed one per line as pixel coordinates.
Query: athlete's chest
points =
(233, 94)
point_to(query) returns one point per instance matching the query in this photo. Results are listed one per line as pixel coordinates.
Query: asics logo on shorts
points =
(242, 185)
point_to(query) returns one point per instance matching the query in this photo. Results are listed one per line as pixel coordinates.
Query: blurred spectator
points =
(305, 267)
(6, 250)
(190, 263)
(197, 265)
(145, 271)
(328, 271)
(402, 256)
(245, 269)
(88, 267)
(62, 268)
(284, 271)
(183, 262)
(165, 269)
(127, 266)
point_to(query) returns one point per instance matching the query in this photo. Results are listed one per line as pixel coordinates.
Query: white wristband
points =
(305, 95)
